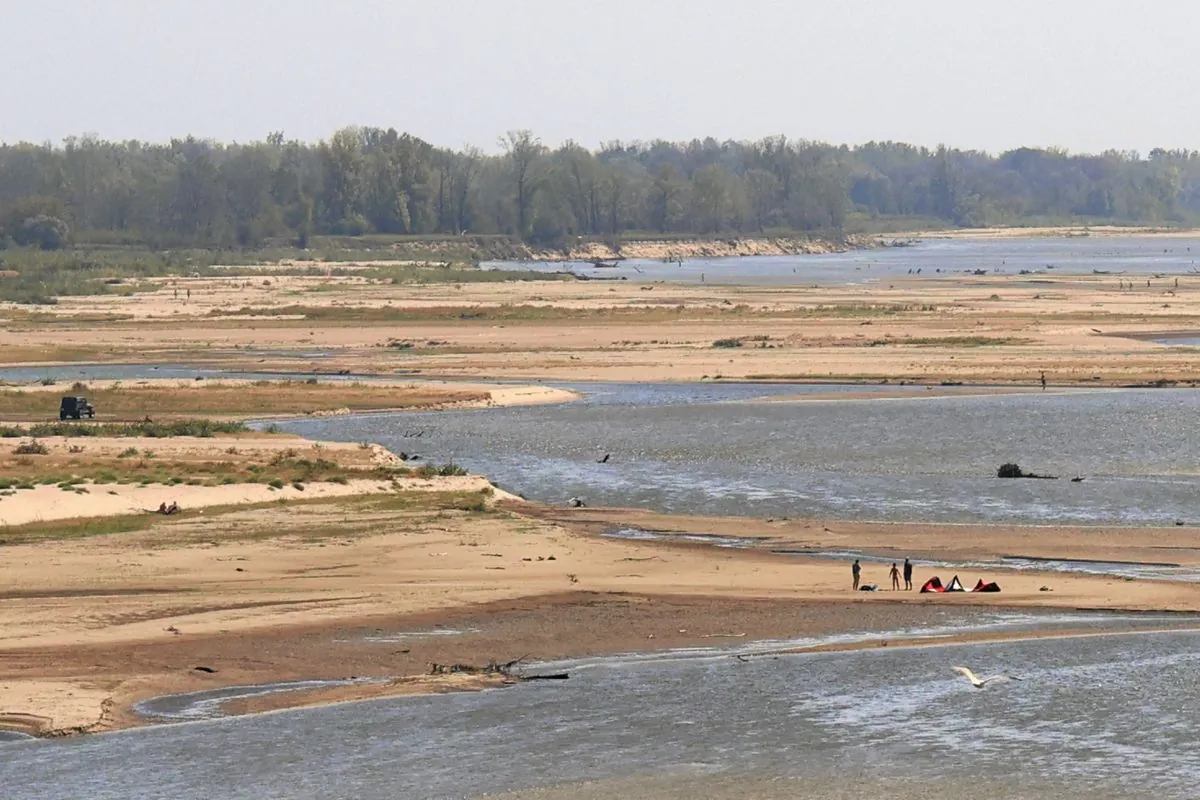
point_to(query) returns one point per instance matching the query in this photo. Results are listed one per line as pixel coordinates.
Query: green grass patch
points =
(75, 528)
(203, 428)
(955, 341)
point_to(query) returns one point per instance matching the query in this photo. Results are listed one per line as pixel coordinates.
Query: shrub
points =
(31, 448)
(46, 232)
(276, 484)
(727, 343)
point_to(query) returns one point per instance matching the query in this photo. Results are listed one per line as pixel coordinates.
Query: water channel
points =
(1092, 717)
(1040, 258)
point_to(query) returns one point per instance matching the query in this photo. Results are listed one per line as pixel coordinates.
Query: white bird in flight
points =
(979, 683)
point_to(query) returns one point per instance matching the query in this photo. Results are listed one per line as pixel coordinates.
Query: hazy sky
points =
(989, 74)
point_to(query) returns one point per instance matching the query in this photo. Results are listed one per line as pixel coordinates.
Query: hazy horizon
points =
(1086, 77)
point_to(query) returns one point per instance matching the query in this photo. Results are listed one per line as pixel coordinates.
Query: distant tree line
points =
(194, 192)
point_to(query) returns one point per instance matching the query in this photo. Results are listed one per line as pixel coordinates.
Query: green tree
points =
(48, 233)
(524, 151)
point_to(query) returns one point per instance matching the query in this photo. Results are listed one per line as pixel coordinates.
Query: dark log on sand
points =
(1015, 471)
(494, 668)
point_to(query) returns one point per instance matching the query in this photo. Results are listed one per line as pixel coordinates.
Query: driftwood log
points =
(505, 669)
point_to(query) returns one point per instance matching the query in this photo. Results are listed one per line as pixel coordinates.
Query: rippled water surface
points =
(715, 449)
(1119, 716)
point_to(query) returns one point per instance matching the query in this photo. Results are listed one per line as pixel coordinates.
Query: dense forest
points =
(199, 193)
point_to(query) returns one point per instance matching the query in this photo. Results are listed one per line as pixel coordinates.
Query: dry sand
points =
(1080, 330)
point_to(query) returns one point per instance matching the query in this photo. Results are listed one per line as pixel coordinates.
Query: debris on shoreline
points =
(1015, 471)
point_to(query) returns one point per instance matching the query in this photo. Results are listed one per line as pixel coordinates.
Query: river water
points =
(723, 450)
(1100, 717)
(1041, 257)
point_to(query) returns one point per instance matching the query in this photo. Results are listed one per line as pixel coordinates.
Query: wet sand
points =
(322, 591)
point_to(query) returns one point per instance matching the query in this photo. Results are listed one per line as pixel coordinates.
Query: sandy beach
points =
(997, 328)
(238, 592)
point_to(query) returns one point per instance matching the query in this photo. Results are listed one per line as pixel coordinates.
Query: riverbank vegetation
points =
(220, 401)
(312, 520)
(363, 187)
(200, 428)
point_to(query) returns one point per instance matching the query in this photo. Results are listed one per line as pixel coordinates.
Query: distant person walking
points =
(907, 575)
(895, 578)
(856, 571)
(1043, 381)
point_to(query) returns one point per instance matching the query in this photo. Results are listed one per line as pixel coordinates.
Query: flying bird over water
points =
(978, 682)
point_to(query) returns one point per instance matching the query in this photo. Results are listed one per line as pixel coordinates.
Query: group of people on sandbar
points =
(894, 573)
(163, 508)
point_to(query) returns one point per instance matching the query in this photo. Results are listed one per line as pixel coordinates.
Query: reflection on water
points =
(904, 459)
(1180, 341)
(1118, 715)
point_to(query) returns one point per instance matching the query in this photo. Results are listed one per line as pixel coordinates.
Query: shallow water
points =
(209, 703)
(1042, 257)
(716, 450)
(1118, 716)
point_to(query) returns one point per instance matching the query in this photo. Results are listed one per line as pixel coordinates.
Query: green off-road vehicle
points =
(76, 408)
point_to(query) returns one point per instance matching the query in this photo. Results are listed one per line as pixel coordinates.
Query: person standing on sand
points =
(907, 575)
(856, 571)
(1043, 381)
(895, 578)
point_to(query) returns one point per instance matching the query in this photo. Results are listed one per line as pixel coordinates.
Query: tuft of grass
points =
(445, 470)
(31, 448)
